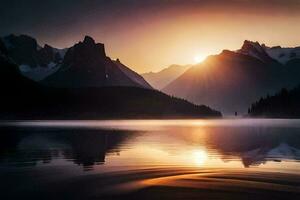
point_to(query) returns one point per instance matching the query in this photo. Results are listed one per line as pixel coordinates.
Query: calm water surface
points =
(39, 158)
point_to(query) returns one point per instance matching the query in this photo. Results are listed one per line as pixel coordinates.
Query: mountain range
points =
(83, 65)
(232, 80)
(86, 84)
(161, 79)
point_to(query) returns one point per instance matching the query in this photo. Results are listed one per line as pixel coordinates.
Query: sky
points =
(148, 35)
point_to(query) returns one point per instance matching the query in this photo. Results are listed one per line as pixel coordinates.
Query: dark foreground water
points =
(150, 159)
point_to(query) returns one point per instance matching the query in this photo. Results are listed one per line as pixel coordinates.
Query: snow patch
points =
(25, 68)
(38, 73)
(283, 55)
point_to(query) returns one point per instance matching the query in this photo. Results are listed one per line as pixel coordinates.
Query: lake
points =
(150, 159)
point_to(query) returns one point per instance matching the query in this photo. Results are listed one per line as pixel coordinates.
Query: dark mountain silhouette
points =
(83, 65)
(34, 61)
(162, 78)
(284, 104)
(12, 83)
(22, 98)
(231, 81)
(86, 65)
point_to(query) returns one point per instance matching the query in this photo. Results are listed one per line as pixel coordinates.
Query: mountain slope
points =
(162, 78)
(133, 75)
(86, 65)
(231, 81)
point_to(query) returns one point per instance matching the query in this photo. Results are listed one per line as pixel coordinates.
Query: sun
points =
(199, 58)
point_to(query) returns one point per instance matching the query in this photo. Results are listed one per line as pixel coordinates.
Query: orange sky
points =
(149, 35)
(178, 39)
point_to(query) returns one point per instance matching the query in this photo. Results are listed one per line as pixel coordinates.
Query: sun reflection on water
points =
(200, 156)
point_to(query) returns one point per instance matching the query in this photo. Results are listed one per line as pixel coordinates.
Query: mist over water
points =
(163, 153)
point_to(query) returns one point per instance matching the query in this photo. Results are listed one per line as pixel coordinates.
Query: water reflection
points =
(216, 146)
(256, 145)
(82, 147)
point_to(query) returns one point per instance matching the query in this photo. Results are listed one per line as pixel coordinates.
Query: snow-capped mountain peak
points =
(256, 50)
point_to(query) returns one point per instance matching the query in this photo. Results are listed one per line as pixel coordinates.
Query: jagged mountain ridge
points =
(34, 61)
(22, 98)
(278, 53)
(232, 80)
(83, 65)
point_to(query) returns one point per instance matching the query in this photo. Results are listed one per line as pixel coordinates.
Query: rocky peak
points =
(21, 41)
(46, 55)
(88, 40)
(21, 48)
(89, 47)
(254, 49)
(250, 46)
(84, 53)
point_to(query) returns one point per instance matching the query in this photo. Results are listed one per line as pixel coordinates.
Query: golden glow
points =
(199, 58)
(200, 157)
(150, 41)
(180, 40)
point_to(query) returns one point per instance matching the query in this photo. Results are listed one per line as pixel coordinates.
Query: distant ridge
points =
(232, 80)
(162, 78)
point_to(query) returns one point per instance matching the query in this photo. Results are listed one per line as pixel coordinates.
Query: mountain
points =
(162, 78)
(254, 49)
(83, 65)
(232, 80)
(264, 53)
(34, 61)
(284, 104)
(22, 98)
(86, 65)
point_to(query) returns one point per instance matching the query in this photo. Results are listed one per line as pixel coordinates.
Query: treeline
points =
(284, 104)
